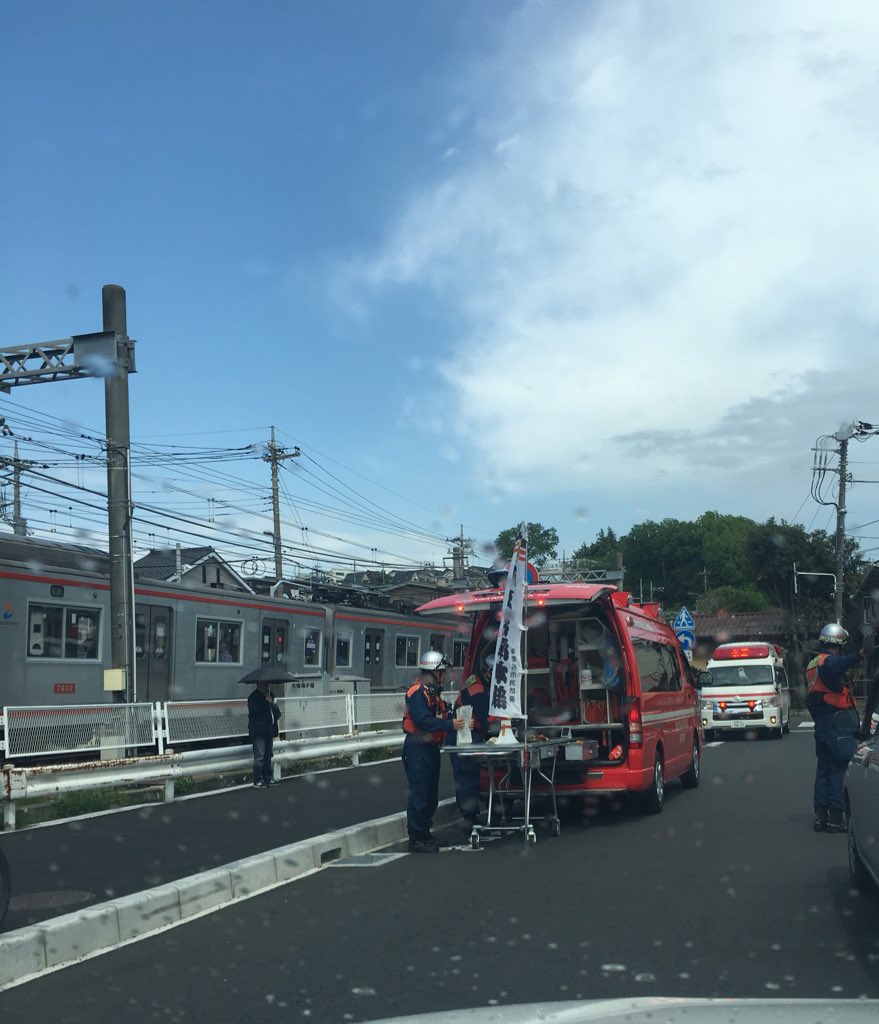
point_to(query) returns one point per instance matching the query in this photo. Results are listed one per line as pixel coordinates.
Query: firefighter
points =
(830, 702)
(475, 694)
(427, 723)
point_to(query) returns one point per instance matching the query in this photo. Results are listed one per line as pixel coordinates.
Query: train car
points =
(190, 644)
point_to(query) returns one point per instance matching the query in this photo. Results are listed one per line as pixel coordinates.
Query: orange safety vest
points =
(437, 707)
(843, 699)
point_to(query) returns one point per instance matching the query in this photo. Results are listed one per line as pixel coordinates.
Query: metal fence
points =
(111, 729)
(105, 728)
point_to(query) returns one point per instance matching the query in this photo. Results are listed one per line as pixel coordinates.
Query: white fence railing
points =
(111, 729)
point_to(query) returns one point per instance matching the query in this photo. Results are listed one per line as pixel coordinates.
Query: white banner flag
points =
(506, 674)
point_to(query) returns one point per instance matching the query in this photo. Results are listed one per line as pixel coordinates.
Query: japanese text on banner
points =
(506, 674)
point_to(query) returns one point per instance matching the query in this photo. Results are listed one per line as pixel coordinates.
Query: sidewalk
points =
(89, 883)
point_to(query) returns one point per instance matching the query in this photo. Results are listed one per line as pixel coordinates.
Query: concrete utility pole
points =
(275, 455)
(119, 507)
(857, 429)
(840, 525)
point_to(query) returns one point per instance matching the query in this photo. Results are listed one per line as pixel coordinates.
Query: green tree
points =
(724, 548)
(602, 551)
(663, 560)
(543, 543)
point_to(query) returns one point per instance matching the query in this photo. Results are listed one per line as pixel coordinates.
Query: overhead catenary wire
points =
(199, 468)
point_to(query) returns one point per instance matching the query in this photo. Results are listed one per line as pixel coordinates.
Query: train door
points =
(152, 635)
(374, 656)
(274, 644)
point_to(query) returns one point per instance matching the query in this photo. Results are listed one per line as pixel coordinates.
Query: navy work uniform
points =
(828, 700)
(426, 723)
(474, 694)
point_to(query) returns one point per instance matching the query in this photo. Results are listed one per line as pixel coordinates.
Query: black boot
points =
(835, 821)
(820, 824)
(422, 842)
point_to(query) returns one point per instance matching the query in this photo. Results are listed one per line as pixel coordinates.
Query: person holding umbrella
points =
(262, 724)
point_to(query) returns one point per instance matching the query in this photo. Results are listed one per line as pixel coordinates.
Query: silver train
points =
(190, 644)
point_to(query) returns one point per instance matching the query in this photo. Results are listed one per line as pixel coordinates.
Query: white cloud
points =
(663, 247)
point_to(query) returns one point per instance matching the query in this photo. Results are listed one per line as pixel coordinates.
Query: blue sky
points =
(579, 263)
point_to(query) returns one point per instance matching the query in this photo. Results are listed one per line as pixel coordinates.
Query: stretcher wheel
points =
(531, 836)
(556, 827)
(474, 841)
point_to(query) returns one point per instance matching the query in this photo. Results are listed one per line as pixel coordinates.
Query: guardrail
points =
(28, 782)
(114, 730)
(135, 742)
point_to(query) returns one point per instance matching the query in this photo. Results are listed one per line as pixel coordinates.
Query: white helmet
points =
(433, 661)
(833, 634)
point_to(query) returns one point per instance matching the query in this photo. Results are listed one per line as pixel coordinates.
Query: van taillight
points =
(636, 731)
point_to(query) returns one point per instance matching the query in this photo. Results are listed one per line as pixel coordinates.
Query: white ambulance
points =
(745, 687)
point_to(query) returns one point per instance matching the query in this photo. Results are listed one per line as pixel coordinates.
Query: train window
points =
(59, 631)
(217, 641)
(438, 642)
(407, 651)
(312, 647)
(459, 652)
(343, 650)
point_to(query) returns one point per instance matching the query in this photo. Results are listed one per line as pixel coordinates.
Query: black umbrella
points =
(269, 674)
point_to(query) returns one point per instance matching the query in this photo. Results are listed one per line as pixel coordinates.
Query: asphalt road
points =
(727, 893)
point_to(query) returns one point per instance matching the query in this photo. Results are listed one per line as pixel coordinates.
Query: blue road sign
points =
(684, 620)
(687, 638)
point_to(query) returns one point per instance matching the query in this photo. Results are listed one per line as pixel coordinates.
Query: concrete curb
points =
(63, 940)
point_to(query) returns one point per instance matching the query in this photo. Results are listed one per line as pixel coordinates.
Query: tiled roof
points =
(161, 563)
(744, 625)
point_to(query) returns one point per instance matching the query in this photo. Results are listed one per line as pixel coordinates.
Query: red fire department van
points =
(605, 675)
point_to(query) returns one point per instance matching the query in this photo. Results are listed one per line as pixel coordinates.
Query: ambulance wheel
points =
(654, 798)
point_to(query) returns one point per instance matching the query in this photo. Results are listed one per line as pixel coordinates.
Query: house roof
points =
(744, 625)
(161, 563)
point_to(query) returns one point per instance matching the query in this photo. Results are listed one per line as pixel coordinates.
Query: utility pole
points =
(119, 507)
(842, 437)
(460, 548)
(856, 429)
(275, 455)
(18, 522)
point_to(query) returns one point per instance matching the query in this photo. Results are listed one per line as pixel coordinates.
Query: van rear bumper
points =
(605, 779)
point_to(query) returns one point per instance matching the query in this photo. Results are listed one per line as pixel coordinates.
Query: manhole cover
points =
(49, 900)
(365, 860)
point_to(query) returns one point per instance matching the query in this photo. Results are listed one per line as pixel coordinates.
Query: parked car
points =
(862, 812)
